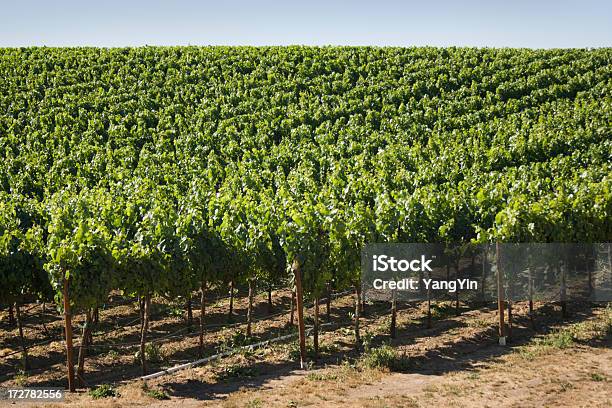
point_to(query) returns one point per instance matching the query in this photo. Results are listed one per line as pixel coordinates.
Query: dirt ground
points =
(456, 362)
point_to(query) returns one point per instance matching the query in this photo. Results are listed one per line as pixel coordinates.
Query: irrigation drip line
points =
(224, 354)
(217, 299)
(118, 326)
(42, 343)
(306, 306)
(226, 325)
(195, 300)
(257, 319)
(22, 311)
(25, 313)
(174, 334)
(134, 343)
(165, 337)
(31, 307)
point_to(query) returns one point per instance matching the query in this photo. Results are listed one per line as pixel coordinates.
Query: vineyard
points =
(159, 179)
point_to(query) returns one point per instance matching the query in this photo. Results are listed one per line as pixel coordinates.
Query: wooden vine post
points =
(202, 314)
(362, 310)
(83, 348)
(143, 334)
(292, 307)
(328, 301)
(11, 316)
(68, 332)
(357, 310)
(230, 314)
(315, 336)
(270, 305)
(24, 350)
(300, 311)
(189, 314)
(500, 296)
(249, 329)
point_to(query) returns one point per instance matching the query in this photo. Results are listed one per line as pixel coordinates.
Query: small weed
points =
(104, 391)
(381, 357)
(473, 376)
(326, 348)
(153, 354)
(247, 352)
(442, 310)
(597, 377)
(237, 339)
(559, 339)
(528, 353)
(293, 350)
(234, 371)
(114, 354)
(348, 365)
(366, 340)
(384, 357)
(153, 393)
(175, 311)
(21, 378)
(157, 394)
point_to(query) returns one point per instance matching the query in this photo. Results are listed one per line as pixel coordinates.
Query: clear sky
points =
(493, 23)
